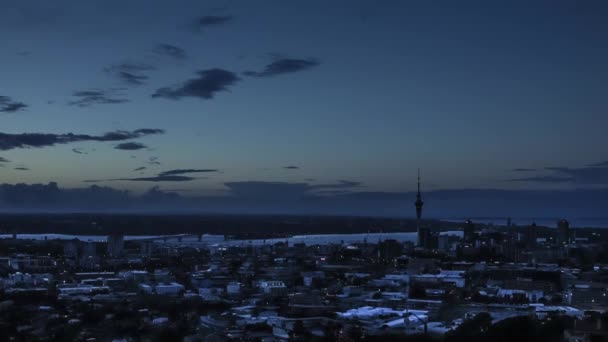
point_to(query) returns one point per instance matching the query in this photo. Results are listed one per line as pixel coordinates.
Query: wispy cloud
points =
(252, 189)
(130, 73)
(86, 98)
(177, 175)
(153, 161)
(284, 66)
(205, 86)
(170, 51)
(146, 179)
(8, 105)
(341, 184)
(211, 20)
(544, 179)
(592, 174)
(600, 164)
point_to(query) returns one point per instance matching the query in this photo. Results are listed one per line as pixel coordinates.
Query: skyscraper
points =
(469, 232)
(115, 245)
(422, 234)
(563, 234)
(531, 235)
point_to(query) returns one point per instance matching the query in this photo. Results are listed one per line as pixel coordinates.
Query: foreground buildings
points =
(202, 288)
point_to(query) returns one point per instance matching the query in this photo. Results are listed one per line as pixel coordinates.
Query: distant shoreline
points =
(248, 227)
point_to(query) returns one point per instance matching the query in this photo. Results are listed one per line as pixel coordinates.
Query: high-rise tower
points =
(563, 234)
(116, 243)
(469, 232)
(422, 236)
(531, 235)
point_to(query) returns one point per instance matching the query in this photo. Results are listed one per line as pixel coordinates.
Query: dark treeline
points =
(239, 225)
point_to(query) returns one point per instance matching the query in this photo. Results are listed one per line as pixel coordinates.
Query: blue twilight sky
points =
(350, 95)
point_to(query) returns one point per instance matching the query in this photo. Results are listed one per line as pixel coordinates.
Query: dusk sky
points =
(217, 98)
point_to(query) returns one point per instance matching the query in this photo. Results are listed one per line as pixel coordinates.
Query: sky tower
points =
(419, 203)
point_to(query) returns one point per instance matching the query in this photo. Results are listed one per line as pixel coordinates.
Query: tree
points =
(473, 328)
(299, 332)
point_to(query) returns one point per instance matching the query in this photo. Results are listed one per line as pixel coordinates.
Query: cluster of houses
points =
(273, 291)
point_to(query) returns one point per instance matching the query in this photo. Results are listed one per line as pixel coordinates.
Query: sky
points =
(304, 99)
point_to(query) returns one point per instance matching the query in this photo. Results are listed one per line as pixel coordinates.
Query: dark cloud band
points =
(186, 171)
(130, 146)
(36, 140)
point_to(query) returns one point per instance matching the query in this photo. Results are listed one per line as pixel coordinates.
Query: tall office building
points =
(70, 249)
(469, 232)
(563, 233)
(531, 235)
(88, 257)
(116, 244)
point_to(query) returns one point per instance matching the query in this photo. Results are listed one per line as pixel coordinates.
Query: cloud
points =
(211, 20)
(334, 192)
(291, 167)
(592, 174)
(139, 168)
(296, 199)
(131, 78)
(130, 73)
(342, 184)
(86, 98)
(147, 131)
(159, 178)
(600, 164)
(22, 168)
(185, 171)
(284, 66)
(544, 179)
(153, 161)
(170, 51)
(4, 160)
(10, 141)
(584, 175)
(165, 176)
(523, 170)
(177, 190)
(78, 151)
(284, 189)
(208, 83)
(8, 105)
(130, 146)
